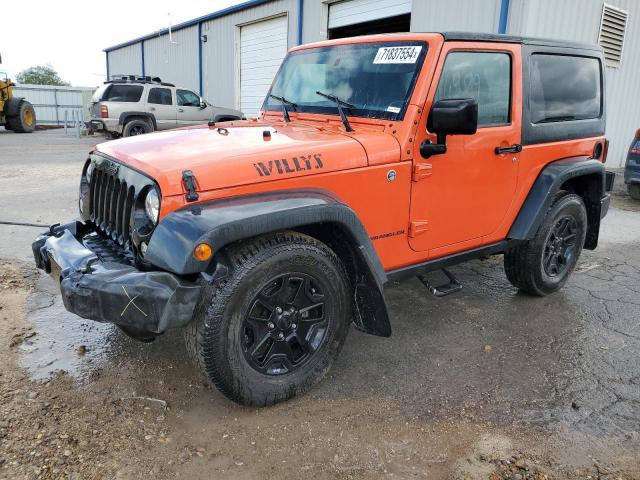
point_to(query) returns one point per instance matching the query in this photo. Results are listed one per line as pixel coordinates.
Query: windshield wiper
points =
(284, 102)
(339, 104)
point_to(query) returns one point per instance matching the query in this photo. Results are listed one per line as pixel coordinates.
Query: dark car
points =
(632, 168)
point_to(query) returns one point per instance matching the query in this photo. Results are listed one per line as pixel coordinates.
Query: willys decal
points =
(289, 165)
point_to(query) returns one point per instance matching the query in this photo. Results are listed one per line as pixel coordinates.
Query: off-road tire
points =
(136, 127)
(524, 263)
(25, 121)
(215, 337)
(634, 190)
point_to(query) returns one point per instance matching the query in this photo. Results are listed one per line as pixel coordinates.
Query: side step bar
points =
(445, 289)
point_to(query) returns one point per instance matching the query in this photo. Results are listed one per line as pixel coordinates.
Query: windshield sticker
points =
(393, 109)
(406, 54)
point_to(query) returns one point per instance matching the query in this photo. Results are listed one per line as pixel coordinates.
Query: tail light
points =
(634, 149)
(104, 111)
(605, 151)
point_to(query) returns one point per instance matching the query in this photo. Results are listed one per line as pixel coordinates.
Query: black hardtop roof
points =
(496, 37)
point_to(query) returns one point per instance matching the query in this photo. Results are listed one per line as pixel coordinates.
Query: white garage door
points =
(263, 45)
(351, 12)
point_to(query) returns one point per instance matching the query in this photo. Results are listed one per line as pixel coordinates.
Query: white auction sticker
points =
(407, 54)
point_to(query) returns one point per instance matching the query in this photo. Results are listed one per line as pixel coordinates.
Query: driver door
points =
(190, 111)
(462, 196)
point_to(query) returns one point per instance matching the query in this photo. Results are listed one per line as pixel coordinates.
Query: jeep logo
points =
(291, 165)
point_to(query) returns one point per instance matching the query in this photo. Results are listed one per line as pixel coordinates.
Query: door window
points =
(160, 96)
(187, 98)
(483, 76)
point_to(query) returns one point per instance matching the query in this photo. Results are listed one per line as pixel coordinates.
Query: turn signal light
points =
(104, 111)
(202, 252)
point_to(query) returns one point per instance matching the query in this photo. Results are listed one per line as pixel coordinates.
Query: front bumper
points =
(107, 291)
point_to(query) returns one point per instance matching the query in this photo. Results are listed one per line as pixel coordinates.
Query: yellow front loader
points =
(16, 113)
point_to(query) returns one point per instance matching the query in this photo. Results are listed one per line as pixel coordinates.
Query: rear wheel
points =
(274, 326)
(25, 121)
(634, 190)
(136, 127)
(543, 264)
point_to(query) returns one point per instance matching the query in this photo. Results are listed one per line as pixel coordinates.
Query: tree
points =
(40, 75)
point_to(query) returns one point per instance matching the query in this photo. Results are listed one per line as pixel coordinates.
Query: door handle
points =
(517, 148)
(153, 109)
(181, 110)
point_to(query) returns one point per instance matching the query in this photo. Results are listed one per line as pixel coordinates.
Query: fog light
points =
(202, 252)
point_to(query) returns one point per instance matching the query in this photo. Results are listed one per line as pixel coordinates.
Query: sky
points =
(71, 34)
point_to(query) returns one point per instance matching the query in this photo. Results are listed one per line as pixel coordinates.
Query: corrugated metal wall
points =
(443, 15)
(176, 61)
(220, 57)
(579, 20)
(126, 60)
(52, 103)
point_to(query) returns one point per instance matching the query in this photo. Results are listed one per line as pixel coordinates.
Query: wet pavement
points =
(567, 365)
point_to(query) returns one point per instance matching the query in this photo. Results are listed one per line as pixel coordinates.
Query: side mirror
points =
(450, 117)
(203, 104)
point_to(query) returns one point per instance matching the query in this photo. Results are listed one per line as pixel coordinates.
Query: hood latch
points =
(190, 184)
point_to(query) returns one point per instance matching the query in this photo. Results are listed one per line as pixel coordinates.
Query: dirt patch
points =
(138, 411)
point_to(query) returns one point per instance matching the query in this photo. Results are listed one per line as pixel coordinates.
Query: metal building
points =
(230, 56)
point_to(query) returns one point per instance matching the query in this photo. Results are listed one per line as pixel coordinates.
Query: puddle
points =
(62, 341)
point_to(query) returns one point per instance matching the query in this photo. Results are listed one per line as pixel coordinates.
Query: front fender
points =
(221, 222)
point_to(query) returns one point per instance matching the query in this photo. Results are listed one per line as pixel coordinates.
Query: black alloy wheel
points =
(542, 264)
(285, 324)
(560, 247)
(274, 325)
(137, 130)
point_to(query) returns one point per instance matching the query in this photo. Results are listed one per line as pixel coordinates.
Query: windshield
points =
(377, 79)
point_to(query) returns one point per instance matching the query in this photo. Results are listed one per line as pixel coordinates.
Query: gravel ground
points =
(487, 383)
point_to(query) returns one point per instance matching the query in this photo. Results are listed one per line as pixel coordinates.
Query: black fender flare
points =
(549, 182)
(12, 106)
(221, 222)
(122, 120)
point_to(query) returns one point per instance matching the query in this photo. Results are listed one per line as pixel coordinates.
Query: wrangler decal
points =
(289, 165)
(387, 235)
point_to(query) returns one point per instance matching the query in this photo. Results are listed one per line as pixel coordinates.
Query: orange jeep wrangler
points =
(373, 159)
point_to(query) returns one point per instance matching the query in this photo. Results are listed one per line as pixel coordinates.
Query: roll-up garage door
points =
(351, 12)
(263, 45)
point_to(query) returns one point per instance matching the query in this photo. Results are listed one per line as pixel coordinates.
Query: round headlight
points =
(152, 205)
(89, 172)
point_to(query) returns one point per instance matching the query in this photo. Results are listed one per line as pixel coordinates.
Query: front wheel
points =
(25, 120)
(543, 264)
(276, 323)
(634, 190)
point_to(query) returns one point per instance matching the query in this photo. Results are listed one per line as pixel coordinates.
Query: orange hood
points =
(241, 155)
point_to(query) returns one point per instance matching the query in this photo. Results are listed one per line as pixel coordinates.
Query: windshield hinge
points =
(190, 185)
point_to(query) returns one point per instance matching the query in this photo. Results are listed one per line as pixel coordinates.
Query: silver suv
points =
(131, 105)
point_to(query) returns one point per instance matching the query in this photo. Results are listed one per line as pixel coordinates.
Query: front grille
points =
(107, 250)
(110, 202)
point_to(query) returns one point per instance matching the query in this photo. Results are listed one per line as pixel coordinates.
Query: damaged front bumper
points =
(143, 303)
